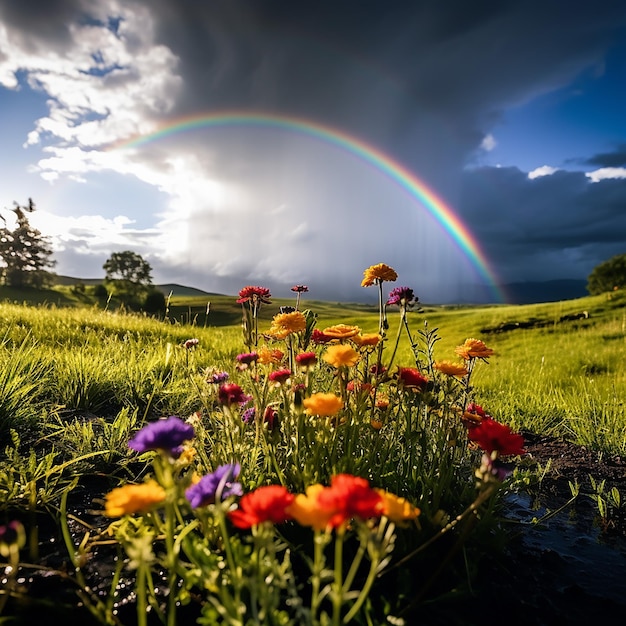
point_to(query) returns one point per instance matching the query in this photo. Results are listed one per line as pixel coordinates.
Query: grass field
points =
(81, 378)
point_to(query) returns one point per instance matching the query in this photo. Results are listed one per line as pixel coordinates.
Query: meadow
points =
(288, 447)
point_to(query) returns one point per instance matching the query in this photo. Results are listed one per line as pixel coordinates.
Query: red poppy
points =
(265, 504)
(350, 496)
(492, 436)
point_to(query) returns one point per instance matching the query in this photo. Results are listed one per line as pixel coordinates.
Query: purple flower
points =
(215, 486)
(248, 415)
(401, 296)
(165, 434)
(247, 358)
(218, 378)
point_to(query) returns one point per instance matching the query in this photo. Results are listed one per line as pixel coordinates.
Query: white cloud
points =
(605, 173)
(488, 143)
(544, 170)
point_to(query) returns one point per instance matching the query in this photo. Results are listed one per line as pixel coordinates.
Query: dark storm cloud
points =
(615, 158)
(557, 226)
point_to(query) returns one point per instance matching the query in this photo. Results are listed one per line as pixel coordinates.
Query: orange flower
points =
(376, 423)
(366, 339)
(451, 369)
(473, 349)
(341, 331)
(265, 504)
(284, 324)
(377, 274)
(305, 509)
(397, 509)
(267, 356)
(131, 499)
(341, 355)
(323, 404)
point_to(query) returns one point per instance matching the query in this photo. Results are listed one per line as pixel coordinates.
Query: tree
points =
(128, 273)
(24, 251)
(608, 276)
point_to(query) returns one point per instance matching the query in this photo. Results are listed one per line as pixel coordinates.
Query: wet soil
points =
(567, 569)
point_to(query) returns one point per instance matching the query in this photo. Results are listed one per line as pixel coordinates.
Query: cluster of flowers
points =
(320, 508)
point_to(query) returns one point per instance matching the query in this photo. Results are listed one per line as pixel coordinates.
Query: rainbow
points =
(443, 214)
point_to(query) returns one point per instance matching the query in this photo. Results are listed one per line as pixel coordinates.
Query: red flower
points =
(231, 393)
(411, 377)
(300, 288)
(317, 336)
(256, 295)
(306, 359)
(269, 417)
(350, 496)
(265, 504)
(279, 376)
(492, 436)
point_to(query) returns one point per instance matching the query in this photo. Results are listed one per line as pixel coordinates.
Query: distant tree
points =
(24, 251)
(608, 276)
(155, 302)
(128, 274)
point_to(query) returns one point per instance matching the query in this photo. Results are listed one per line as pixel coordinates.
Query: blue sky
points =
(512, 112)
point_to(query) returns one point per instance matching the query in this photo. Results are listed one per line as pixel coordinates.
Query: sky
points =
(469, 145)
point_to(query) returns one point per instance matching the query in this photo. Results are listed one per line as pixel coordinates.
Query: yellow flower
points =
(323, 404)
(267, 356)
(397, 509)
(451, 369)
(285, 324)
(306, 510)
(366, 339)
(341, 331)
(131, 499)
(341, 354)
(377, 274)
(473, 349)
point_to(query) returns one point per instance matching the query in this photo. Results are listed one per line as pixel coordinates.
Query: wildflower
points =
(341, 331)
(323, 404)
(255, 295)
(382, 401)
(215, 486)
(12, 535)
(376, 274)
(411, 378)
(300, 288)
(359, 387)
(131, 499)
(349, 497)
(218, 378)
(248, 415)
(341, 355)
(474, 414)
(264, 504)
(247, 358)
(473, 349)
(494, 468)
(366, 339)
(284, 324)
(317, 337)
(376, 423)
(165, 434)
(306, 360)
(492, 436)
(450, 368)
(279, 377)
(191, 343)
(231, 393)
(305, 509)
(270, 417)
(269, 356)
(397, 509)
(401, 296)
